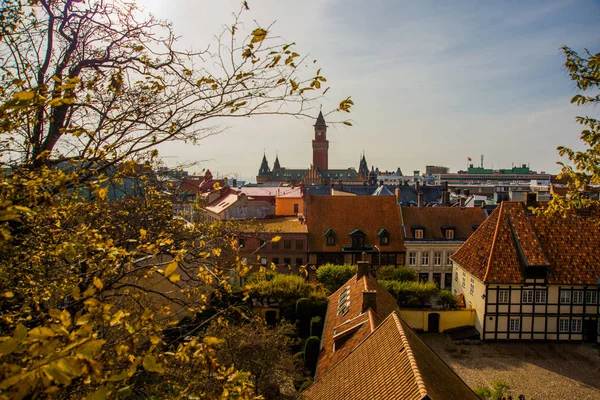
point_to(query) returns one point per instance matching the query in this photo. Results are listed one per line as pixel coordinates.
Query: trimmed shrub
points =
(316, 326)
(289, 314)
(303, 315)
(334, 276)
(285, 288)
(401, 274)
(261, 276)
(446, 299)
(311, 353)
(415, 294)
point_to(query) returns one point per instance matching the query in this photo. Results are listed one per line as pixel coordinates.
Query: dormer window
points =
(330, 237)
(358, 239)
(449, 231)
(450, 234)
(419, 233)
(384, 237)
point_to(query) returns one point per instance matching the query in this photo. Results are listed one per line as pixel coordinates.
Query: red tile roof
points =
(433, 218)
(392, 362)
(342, 214)
(510, 241)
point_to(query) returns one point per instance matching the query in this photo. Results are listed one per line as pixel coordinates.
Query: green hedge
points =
(311, 353)
(284, 288)
(411, 293)
(334, 276)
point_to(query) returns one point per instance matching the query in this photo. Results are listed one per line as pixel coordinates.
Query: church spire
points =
(276, 166)
(320, 120)
(264, 166)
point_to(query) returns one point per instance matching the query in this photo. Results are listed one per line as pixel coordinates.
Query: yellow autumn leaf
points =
(175, 278)
(151, 365)
(41, 333)
(217, 252)
(24, 96)
(258, 35)
(8, 295)
(98, 283)
(170, 269)
(55, 102)
(211, 340)
(20, 333)
(276, 239)
(143, 233)
(8, 346)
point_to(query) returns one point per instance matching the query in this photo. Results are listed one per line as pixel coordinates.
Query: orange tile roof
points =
(511, 240)
(276, 225)
(343, 214)
(433, 218)
(392, 362)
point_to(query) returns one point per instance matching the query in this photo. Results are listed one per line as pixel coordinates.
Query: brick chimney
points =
(420, 200)
(363, 267)
(397, 194)
(369, 300)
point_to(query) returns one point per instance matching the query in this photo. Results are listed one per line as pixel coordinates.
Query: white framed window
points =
(437, 258)
(576, 325)
(448, 260)
(412, 258)
(540, 297)
(464, 280)
(503, 295)
(527, 296)
(563, 325)
(425, 258)
(472, 286)
(565, 297)
(449, 233)
(577, 296)
(591, 298)
(456, 274)
(515, 324)
(418, 233)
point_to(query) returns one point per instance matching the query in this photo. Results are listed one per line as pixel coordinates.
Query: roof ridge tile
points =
(410, 356)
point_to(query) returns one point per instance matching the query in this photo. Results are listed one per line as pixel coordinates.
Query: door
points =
(433, 322)
(448, 280)
(590, 329)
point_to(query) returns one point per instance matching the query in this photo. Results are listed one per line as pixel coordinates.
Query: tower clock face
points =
(319, 133)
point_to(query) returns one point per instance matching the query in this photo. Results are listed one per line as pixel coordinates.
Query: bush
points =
(497, 392)
(305, 385)
(316, 326)
(261, 276)
(285, 288)
(303, 315)
(311, 353)
(446, 299)
(411, 293)
(289, 314)
(401, 274)
(334, 276)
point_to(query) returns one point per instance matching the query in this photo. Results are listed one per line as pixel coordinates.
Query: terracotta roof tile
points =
(433, 218)
(511, 240)
(390, 363)
(342, 214)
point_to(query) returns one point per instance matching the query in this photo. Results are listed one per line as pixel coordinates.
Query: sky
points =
(434, 82)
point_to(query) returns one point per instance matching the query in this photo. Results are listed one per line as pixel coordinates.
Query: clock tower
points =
(320, 144)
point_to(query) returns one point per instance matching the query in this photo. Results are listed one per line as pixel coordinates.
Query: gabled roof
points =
(264, 166)
(345, 213)
(377, 356)
(434, 219)
(511, 242)
(382, 191)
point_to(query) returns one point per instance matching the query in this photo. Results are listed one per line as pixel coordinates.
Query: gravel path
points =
(540, 371)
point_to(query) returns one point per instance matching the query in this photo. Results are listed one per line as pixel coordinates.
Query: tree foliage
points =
(446, 299)
(260, 350)
(583, 167)
(393, 273)
(411, 293)
(285, 288)
(104, 81)
(93, 289)
(334, 276)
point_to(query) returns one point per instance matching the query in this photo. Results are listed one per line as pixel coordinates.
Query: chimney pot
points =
(419, 200)
(462, 202)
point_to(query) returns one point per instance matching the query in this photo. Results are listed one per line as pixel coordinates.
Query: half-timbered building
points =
(531, 277)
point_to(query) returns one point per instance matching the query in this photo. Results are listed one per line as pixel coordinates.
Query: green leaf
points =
(151, 365)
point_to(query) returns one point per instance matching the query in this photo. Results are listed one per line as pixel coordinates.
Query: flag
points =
(470, 159)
